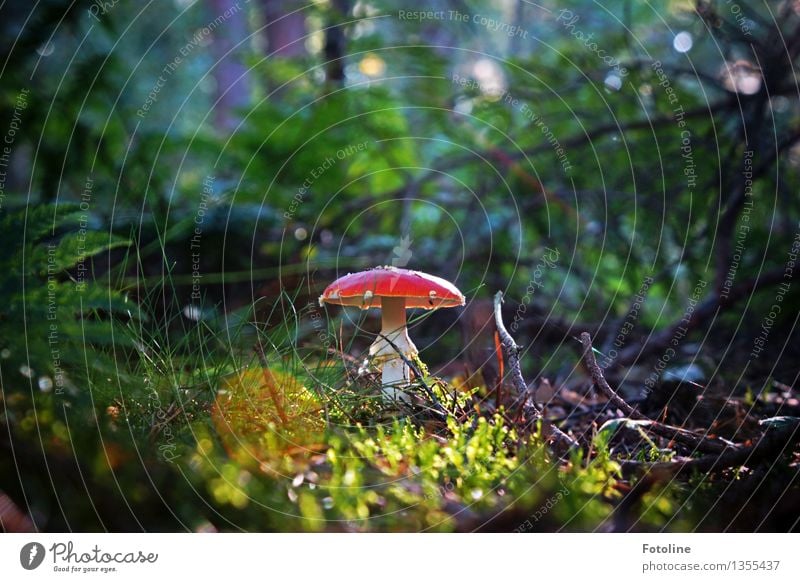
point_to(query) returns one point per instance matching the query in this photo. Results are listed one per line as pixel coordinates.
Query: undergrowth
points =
(184, 417)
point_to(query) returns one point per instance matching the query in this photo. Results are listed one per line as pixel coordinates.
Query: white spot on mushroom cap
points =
(332, 295)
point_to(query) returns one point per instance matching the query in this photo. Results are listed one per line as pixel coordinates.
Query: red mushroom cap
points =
(367, 288)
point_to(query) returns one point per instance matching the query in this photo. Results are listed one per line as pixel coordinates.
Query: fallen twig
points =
(683, 436)
(512, 350)
(170, 414)
(269, 383)
(774, 441)
(532, 410)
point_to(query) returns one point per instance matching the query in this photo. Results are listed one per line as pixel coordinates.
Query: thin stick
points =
(689, 439)
(498, 388)
(530, 407)
(438, 407)
(773, 441)
(512, 351)
(269, 382)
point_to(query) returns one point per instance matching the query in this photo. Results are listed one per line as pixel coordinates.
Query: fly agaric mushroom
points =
(392, 290)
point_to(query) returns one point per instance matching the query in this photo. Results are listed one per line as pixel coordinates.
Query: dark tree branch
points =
(774, 442)
(733, 209)
(588, 137)
(453, 162)
(705, 310)
(673, 433)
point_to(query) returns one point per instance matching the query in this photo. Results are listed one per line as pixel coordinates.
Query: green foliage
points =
(244, 408)
(399, 477)
(49, 298)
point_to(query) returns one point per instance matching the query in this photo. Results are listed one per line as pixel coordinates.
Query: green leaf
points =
(610, 428)
(75, 247)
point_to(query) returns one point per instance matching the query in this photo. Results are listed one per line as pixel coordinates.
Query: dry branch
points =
(689, 439)
(269, 384)
(775, 441)
(532, 410)
(419, 377)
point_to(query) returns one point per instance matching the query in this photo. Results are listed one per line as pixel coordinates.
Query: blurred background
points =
(176, 171)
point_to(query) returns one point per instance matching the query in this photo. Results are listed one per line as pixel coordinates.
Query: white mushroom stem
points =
(396, 374)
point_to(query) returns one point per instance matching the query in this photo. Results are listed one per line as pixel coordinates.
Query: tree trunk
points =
(285, 28)
(230, 73)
